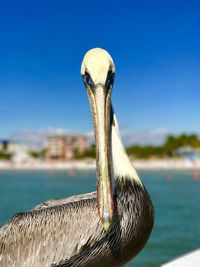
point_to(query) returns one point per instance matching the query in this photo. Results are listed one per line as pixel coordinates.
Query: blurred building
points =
(65, 146)
(189, 152)
(8, 146)
(21, 155)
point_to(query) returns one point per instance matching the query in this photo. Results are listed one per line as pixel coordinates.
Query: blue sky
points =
(155, 46)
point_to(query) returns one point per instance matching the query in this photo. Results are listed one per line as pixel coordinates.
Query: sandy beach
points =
(90, 164)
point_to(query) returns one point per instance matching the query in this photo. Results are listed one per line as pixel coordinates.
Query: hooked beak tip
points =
(106, 221)
(106, 225)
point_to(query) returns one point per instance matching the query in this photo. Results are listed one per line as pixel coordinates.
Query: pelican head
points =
(98, 71)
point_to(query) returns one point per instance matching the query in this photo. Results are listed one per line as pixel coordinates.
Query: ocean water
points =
(175, 194)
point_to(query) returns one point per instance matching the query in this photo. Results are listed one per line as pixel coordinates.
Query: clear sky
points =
(155, 46)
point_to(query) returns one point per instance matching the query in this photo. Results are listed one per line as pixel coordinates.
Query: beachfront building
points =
(18, 153)
(188, 152)
(63, 147)
(8, 146)
(21, 155)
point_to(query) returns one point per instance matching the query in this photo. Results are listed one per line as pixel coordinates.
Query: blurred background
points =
(46, 139)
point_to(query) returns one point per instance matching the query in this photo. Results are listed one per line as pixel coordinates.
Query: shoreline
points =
(150, 164)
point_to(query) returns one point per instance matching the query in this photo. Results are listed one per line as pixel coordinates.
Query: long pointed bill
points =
(101, 115)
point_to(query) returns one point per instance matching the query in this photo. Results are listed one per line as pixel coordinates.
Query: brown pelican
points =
(106, 228)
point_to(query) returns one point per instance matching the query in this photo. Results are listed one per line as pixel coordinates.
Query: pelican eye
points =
(109, 79)
(88, 80)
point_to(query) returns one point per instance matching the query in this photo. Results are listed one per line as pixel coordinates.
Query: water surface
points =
(175, 194)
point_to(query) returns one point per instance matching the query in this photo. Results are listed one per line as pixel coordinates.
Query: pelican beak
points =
(101, 109)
